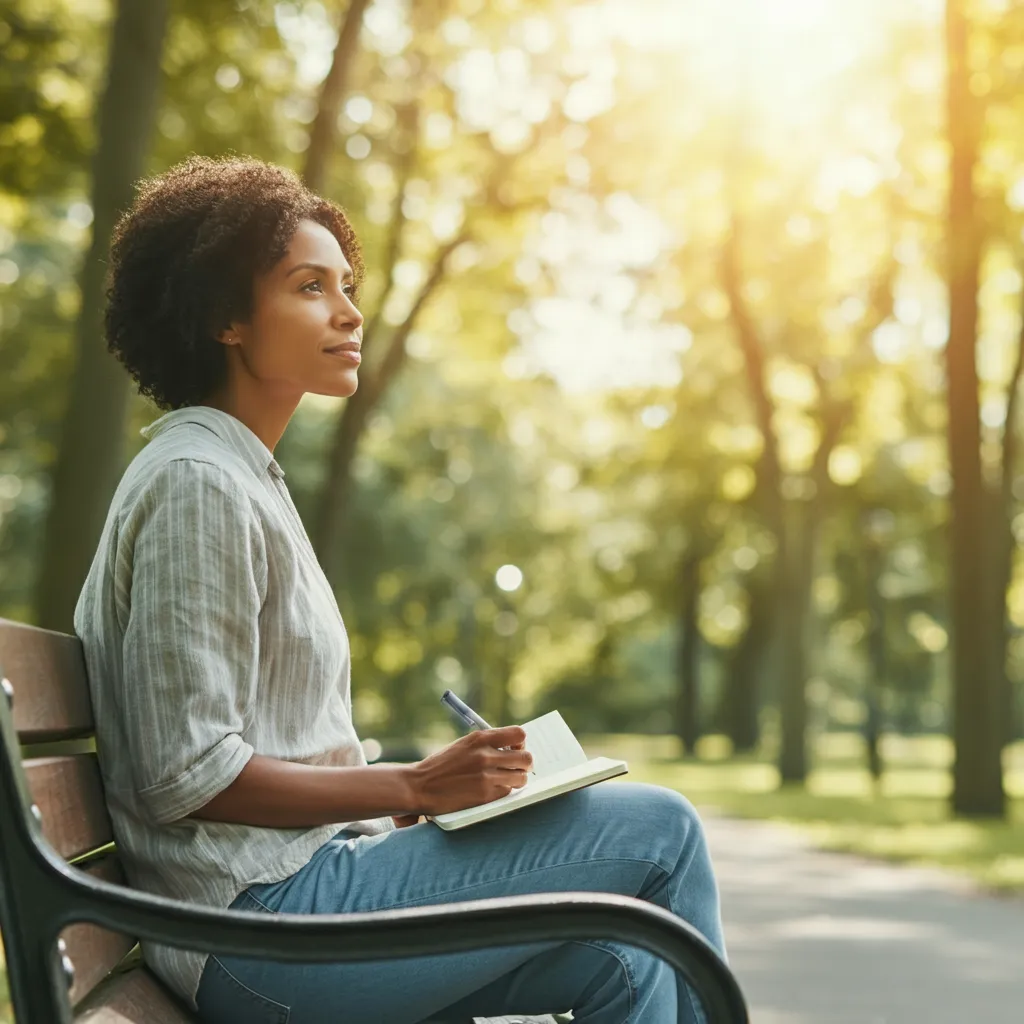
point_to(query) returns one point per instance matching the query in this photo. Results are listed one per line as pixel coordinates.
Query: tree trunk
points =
(767, 497)
(803, 519)
(89, 460)
(687, 710)
(977, 772)
(739, 709)
(333, 505)
(794, 606)
(877, 655)
(325, 126)
(795, 524)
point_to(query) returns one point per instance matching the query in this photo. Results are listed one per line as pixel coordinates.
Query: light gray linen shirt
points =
(210, 634)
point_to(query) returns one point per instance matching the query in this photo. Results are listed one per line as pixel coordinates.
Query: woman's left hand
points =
(404, 820)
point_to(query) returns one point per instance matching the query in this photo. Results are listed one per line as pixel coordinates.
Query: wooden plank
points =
(94, 951)
(51, 689)
(132, 998)
(69, 794)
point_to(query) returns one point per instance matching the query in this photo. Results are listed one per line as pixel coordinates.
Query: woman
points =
(219, 663)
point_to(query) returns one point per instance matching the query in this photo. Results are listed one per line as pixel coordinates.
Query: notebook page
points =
(552, 744)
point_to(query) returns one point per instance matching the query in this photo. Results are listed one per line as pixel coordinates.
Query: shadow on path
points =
(827, 938)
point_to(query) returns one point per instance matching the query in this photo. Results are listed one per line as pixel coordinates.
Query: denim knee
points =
(670, 820)
(679, 842)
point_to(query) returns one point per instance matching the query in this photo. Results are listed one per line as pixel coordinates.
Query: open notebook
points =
(559, 766)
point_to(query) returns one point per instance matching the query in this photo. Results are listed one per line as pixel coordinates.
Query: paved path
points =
(823, 938)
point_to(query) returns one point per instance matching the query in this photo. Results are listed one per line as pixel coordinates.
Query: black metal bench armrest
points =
(389, 934)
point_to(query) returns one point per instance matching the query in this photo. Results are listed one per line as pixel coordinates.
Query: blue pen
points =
(464, 711)
(467, 714)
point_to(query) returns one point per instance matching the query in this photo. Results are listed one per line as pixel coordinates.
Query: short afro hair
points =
(183, 260)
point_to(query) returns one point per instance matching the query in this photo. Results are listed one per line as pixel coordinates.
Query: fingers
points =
(507, 736)
(507, 780)
(513, 760)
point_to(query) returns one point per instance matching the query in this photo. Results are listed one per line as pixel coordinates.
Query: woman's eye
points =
(312, 286)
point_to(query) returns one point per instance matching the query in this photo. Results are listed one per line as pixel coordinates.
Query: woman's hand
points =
(475, 769)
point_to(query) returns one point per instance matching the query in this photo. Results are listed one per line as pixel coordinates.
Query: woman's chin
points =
(343, 388)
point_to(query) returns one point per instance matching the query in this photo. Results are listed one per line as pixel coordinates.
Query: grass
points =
(906, 819)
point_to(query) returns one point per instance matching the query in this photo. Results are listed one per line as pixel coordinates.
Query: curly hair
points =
(183, 260)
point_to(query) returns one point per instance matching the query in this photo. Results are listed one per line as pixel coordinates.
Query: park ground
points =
(835, 938)
(765, 837)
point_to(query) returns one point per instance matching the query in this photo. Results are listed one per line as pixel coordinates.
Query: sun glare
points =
(782, 66)
(786, 54)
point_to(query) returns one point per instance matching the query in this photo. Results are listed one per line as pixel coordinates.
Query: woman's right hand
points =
(475, 769)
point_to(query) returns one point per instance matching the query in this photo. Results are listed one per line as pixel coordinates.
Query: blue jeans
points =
(635, 840)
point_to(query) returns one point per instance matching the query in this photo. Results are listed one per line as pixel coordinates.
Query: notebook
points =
(559, 766)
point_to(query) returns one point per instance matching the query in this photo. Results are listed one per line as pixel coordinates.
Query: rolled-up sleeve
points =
(196, 568)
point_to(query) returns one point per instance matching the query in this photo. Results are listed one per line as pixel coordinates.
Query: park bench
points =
(70, 922)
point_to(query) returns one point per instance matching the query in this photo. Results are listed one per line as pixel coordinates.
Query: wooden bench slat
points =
(69, 794)
(51, 689)
(132, 998)
(94, 951)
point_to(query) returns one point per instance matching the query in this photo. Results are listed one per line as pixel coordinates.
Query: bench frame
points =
(40, 894)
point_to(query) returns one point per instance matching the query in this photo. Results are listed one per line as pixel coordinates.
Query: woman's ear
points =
(229, 335)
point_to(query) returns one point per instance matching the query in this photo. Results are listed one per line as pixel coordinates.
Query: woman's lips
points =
(351, 355)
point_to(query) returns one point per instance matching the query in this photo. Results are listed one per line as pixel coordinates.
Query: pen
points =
(467, 714)
(463, 710)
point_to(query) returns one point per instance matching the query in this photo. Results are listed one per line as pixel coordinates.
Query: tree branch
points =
(834, 417)
(769, 469)
(396, 353)
(408, 118)
(325, 126)
(836, 414)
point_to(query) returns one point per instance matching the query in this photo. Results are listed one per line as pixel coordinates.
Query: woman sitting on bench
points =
(219, 663)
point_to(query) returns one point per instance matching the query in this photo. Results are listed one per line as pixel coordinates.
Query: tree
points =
(977, 771)
(687, 710)
(89, 459)
(793, 507)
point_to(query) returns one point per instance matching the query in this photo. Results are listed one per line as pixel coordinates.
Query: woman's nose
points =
(347, 314)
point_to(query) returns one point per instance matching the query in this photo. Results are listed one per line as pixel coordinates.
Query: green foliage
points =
(575, 401)
(231, 83)
(53, 56)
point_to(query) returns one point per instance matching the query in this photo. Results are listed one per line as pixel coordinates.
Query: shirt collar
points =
(233, 432)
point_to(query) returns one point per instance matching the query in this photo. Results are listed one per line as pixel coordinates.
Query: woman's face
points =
(305, 333)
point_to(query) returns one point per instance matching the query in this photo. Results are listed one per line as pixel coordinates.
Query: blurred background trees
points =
(690, 400)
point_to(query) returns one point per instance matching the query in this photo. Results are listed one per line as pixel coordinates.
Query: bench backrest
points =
(53, 719)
